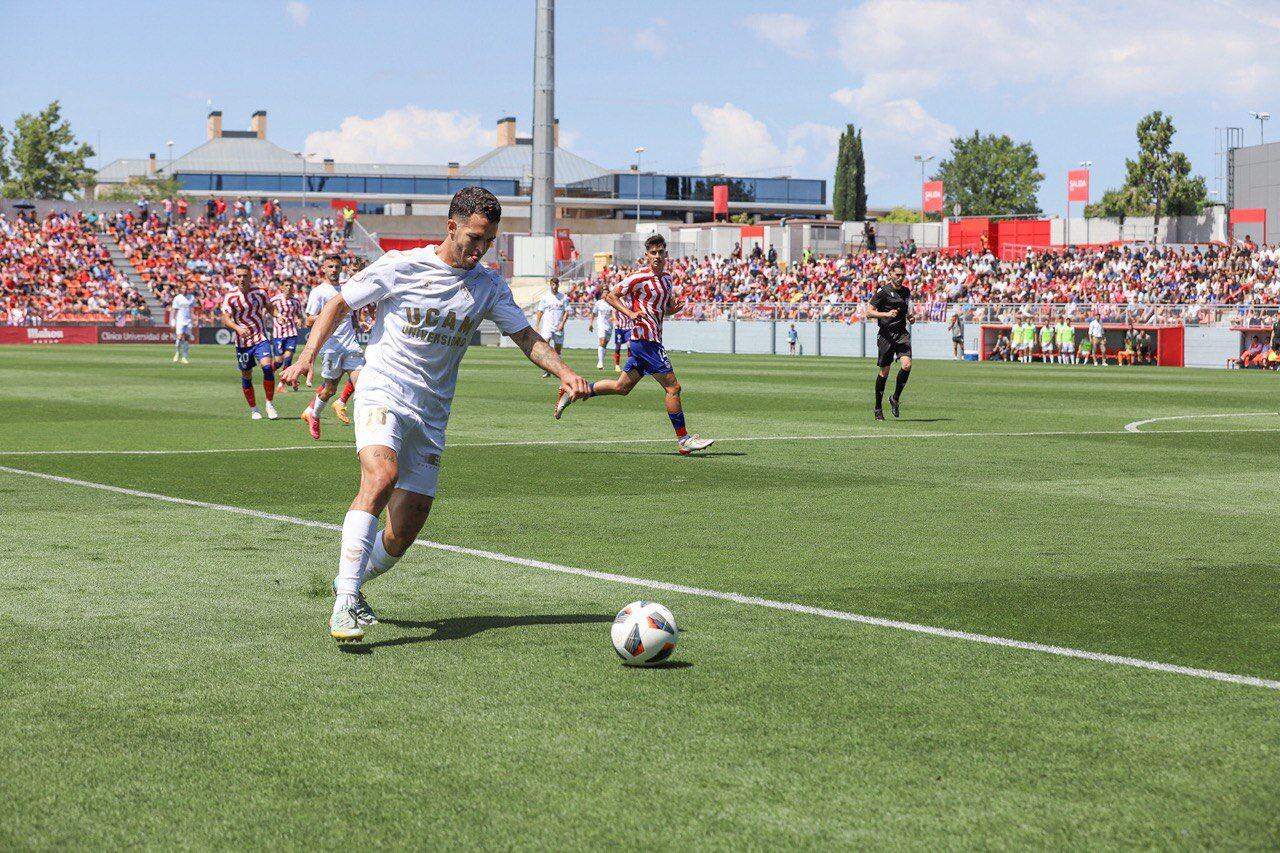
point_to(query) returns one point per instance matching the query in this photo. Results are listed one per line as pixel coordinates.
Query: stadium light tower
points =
(170, 144)
(543, 216)
(1262, 123)
(921, 159)
(639, 151)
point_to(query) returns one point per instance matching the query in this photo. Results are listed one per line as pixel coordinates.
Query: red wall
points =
(1021, 233)
(964, 234)
(402, 243)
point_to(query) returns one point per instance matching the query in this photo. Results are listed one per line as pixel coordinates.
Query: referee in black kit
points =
(891, 306)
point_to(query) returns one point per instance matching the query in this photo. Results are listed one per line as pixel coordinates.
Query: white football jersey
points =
(428, 312)
(604, 314)
(553, 307)
(343, 337)
(182, 306)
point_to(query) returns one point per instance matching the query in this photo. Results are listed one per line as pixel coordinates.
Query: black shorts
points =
(892, 348)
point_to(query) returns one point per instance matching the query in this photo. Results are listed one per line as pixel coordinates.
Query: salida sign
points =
(933, 196)
(1078, 185)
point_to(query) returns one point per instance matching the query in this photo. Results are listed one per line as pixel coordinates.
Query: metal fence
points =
(1246, 316)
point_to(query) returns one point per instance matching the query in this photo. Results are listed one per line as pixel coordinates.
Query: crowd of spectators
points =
(57, 270)
(171, 251)
(1143, 283)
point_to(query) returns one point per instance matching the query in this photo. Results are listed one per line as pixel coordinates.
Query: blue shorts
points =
(621, 337)
(647, 357)
(280, 346)
(246, 356)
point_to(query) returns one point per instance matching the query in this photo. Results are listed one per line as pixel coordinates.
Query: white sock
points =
(358, 529)
(317, 405)
(599, 355)
(380, 562)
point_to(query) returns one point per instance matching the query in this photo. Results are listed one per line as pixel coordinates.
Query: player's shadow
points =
(462, 627)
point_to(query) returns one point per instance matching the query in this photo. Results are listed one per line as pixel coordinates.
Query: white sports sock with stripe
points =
(358, 530)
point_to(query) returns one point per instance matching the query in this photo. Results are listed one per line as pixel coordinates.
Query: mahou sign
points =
(933, 196)
(48, 334)
(1078, 185)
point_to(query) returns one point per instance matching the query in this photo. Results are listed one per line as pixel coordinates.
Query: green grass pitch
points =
(168, 680)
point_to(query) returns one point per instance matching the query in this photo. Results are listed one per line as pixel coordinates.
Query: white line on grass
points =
(737, 598)
(574, 442)
(1136, 426)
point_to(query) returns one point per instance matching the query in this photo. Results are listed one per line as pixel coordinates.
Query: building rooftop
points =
(516, 161)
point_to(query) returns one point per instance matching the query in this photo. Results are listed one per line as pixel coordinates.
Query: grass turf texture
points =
(169, 680)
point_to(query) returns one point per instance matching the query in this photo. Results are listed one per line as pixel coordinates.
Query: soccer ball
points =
(644, 633)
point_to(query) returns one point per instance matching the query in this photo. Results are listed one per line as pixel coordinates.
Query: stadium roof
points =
(119, 171)
(237, 154)
(516, 161)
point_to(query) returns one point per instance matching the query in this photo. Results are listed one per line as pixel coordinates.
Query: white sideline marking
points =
(591, 441)
(737, 598)
(1136, 426)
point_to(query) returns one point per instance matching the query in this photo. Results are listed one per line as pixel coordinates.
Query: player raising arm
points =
(429, 302)
(645, 298)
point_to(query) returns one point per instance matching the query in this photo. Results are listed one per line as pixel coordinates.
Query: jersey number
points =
(375, 415)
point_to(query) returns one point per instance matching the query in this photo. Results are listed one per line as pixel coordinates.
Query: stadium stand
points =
(1148, 279)
(201, 251)
(57, 270)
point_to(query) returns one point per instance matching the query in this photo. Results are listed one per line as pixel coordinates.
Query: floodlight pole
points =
(639, 153)
(542, 219)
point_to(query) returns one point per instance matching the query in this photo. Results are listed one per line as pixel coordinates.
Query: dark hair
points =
(469, 200)
(655, 240)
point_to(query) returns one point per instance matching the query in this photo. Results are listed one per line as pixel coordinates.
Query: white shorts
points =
(606, 332)
(334, 363)
(417, 446)
(183, 330)
(1068, 346)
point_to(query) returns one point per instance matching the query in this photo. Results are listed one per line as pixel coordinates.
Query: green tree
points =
(153, 189)
(849, 190)
(46, 161)
(903, 215)
(991, 175)
(4, 160)
(1159, 182)
(859, 180)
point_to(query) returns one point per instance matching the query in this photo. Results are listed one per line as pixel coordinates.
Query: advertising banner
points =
(135, 335)
(48, 334)
(933, 196)
(1078, 185)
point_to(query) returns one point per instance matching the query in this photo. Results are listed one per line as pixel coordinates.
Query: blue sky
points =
(709, 86)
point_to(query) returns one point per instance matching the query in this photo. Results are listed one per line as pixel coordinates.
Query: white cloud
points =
(1073, 50)
(298, 12)
(737, 143)
(406, 135)
(653, 39)
(785, 31)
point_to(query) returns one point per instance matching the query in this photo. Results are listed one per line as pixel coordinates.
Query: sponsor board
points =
(216, 335)
(48, 334)
(135, 335)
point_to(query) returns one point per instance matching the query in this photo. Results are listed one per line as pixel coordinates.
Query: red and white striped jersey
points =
(621, 321)
(248, 310)
(288, 313)
(647, 296)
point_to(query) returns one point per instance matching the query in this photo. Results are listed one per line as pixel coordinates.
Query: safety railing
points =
(1208, 314)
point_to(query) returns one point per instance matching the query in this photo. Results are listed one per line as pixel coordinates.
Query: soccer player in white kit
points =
(340, 354)
(182, 311)
(602, 321)
(429, 302)
(553, 313)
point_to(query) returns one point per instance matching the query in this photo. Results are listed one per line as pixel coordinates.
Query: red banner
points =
(719, 200)
(933, 194)
(1078, 185)
(135, 335)
(48, 334)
